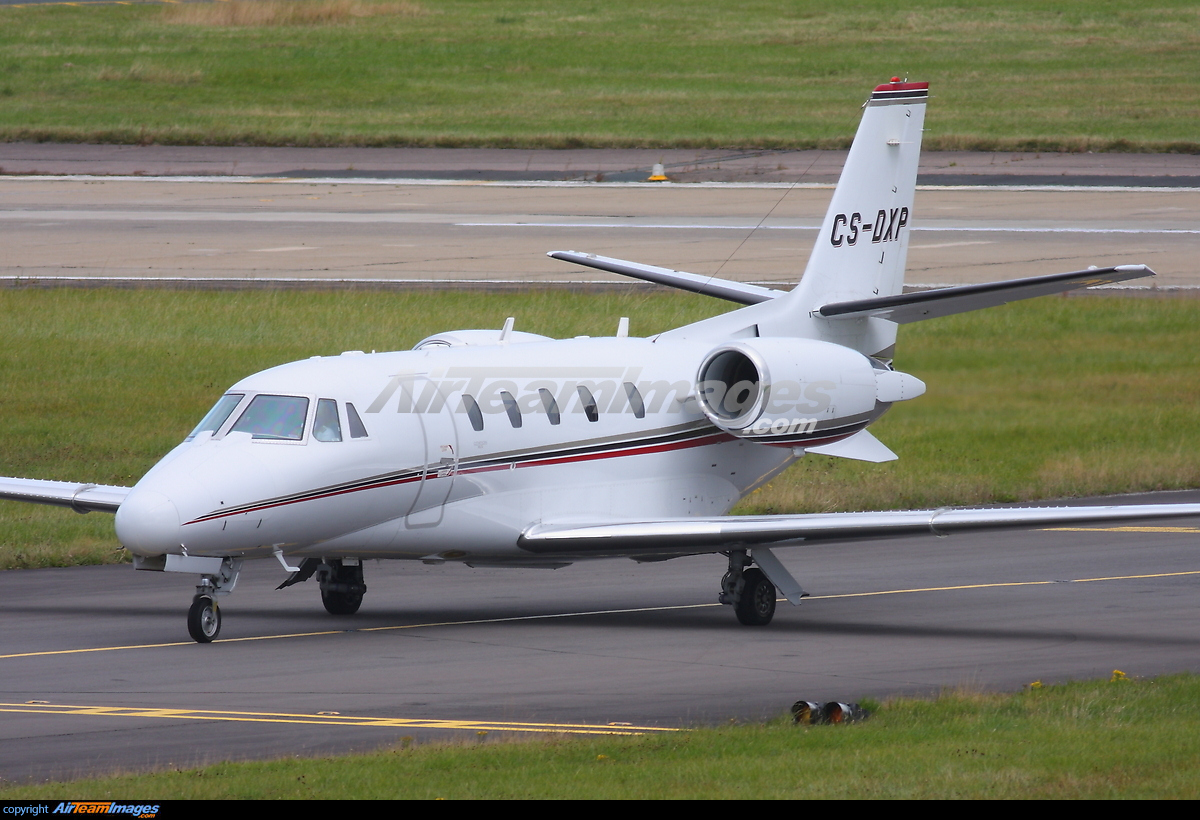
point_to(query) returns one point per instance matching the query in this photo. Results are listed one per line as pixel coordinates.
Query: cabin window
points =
(357, 429)
(326, 426)
(218, 415)
(277, 418)
(550, 404)
(510, 407)
(635, 400)
(471, 408)
(589, 403)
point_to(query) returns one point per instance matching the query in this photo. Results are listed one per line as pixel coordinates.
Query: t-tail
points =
(852, 291)
(861, 249)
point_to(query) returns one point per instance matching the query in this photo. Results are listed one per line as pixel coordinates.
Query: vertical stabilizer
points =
(861, 248)
(863, 242)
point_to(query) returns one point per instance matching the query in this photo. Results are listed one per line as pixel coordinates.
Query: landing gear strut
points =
(204, 618)
(342, 585)
(748, 591)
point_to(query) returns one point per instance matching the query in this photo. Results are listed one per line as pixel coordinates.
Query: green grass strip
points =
(1044, 399)
(1005, 74)
(1120, 738)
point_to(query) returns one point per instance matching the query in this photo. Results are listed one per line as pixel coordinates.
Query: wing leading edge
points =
(81, 498)
(686, 536)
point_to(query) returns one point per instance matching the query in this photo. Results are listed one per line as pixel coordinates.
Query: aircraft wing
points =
(931, 304)
(81, 498)
(686, 536)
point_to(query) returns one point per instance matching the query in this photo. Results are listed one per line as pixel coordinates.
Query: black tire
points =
(341, 603)
(204, 619)
(757, 604)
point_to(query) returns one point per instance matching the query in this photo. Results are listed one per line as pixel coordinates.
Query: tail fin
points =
(861, 249)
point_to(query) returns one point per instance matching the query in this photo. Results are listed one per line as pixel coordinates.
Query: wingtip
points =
(1145, 271)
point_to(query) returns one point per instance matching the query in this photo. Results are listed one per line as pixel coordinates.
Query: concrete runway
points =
(500, 233)
(98, 673)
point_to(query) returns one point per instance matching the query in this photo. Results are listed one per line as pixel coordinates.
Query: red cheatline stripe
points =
(616, 452)
(286, 502)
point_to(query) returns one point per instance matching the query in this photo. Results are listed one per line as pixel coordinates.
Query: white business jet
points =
(506, 448)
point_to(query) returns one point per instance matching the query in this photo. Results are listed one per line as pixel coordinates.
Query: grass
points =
(1105, 739)
(1043, 399)
(1017, 74)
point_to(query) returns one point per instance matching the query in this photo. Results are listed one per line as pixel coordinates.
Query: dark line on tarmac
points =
(556, 616)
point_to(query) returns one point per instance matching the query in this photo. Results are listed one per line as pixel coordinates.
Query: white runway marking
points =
(581, 183)
(292, 248)
(949, 245)
(623, 223)
(749, 226)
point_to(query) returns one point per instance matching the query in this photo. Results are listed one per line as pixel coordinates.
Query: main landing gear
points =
(342, 586)
(748, 590)
(341, 582)
(204, 618)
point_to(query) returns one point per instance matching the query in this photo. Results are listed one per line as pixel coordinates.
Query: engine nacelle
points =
(796, 391)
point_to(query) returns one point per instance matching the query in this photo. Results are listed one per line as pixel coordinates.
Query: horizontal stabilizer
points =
(931, 304)
(79, 497)
(739, 292)
(688, 536)
(862, 446)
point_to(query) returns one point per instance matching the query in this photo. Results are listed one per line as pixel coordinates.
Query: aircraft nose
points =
(148, 523)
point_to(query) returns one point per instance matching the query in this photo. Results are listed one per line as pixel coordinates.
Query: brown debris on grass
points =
(264, 13)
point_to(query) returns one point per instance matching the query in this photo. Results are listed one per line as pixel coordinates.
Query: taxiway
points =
(98, 673)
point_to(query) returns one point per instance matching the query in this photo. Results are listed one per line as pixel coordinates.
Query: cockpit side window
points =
(278, 418)
(217, 416)
(326, 427)
(357, 429)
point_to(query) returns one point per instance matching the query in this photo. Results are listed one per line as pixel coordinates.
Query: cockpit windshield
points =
(279, 418)
(217, 416)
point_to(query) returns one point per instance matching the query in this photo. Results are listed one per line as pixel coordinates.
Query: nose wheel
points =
(204, 619)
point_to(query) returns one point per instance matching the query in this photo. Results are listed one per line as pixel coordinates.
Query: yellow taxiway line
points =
(331, 719)
(547, 617)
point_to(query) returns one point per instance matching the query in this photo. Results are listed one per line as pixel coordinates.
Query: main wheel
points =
(757, 604)
(341, 603)
(204, 619)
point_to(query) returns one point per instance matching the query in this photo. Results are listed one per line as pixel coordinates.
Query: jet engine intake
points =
(789, 391)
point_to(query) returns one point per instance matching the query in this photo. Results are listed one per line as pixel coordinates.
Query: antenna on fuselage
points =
(622, 327)
(508, 326)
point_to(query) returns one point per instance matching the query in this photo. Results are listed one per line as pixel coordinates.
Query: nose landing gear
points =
(204, 617)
